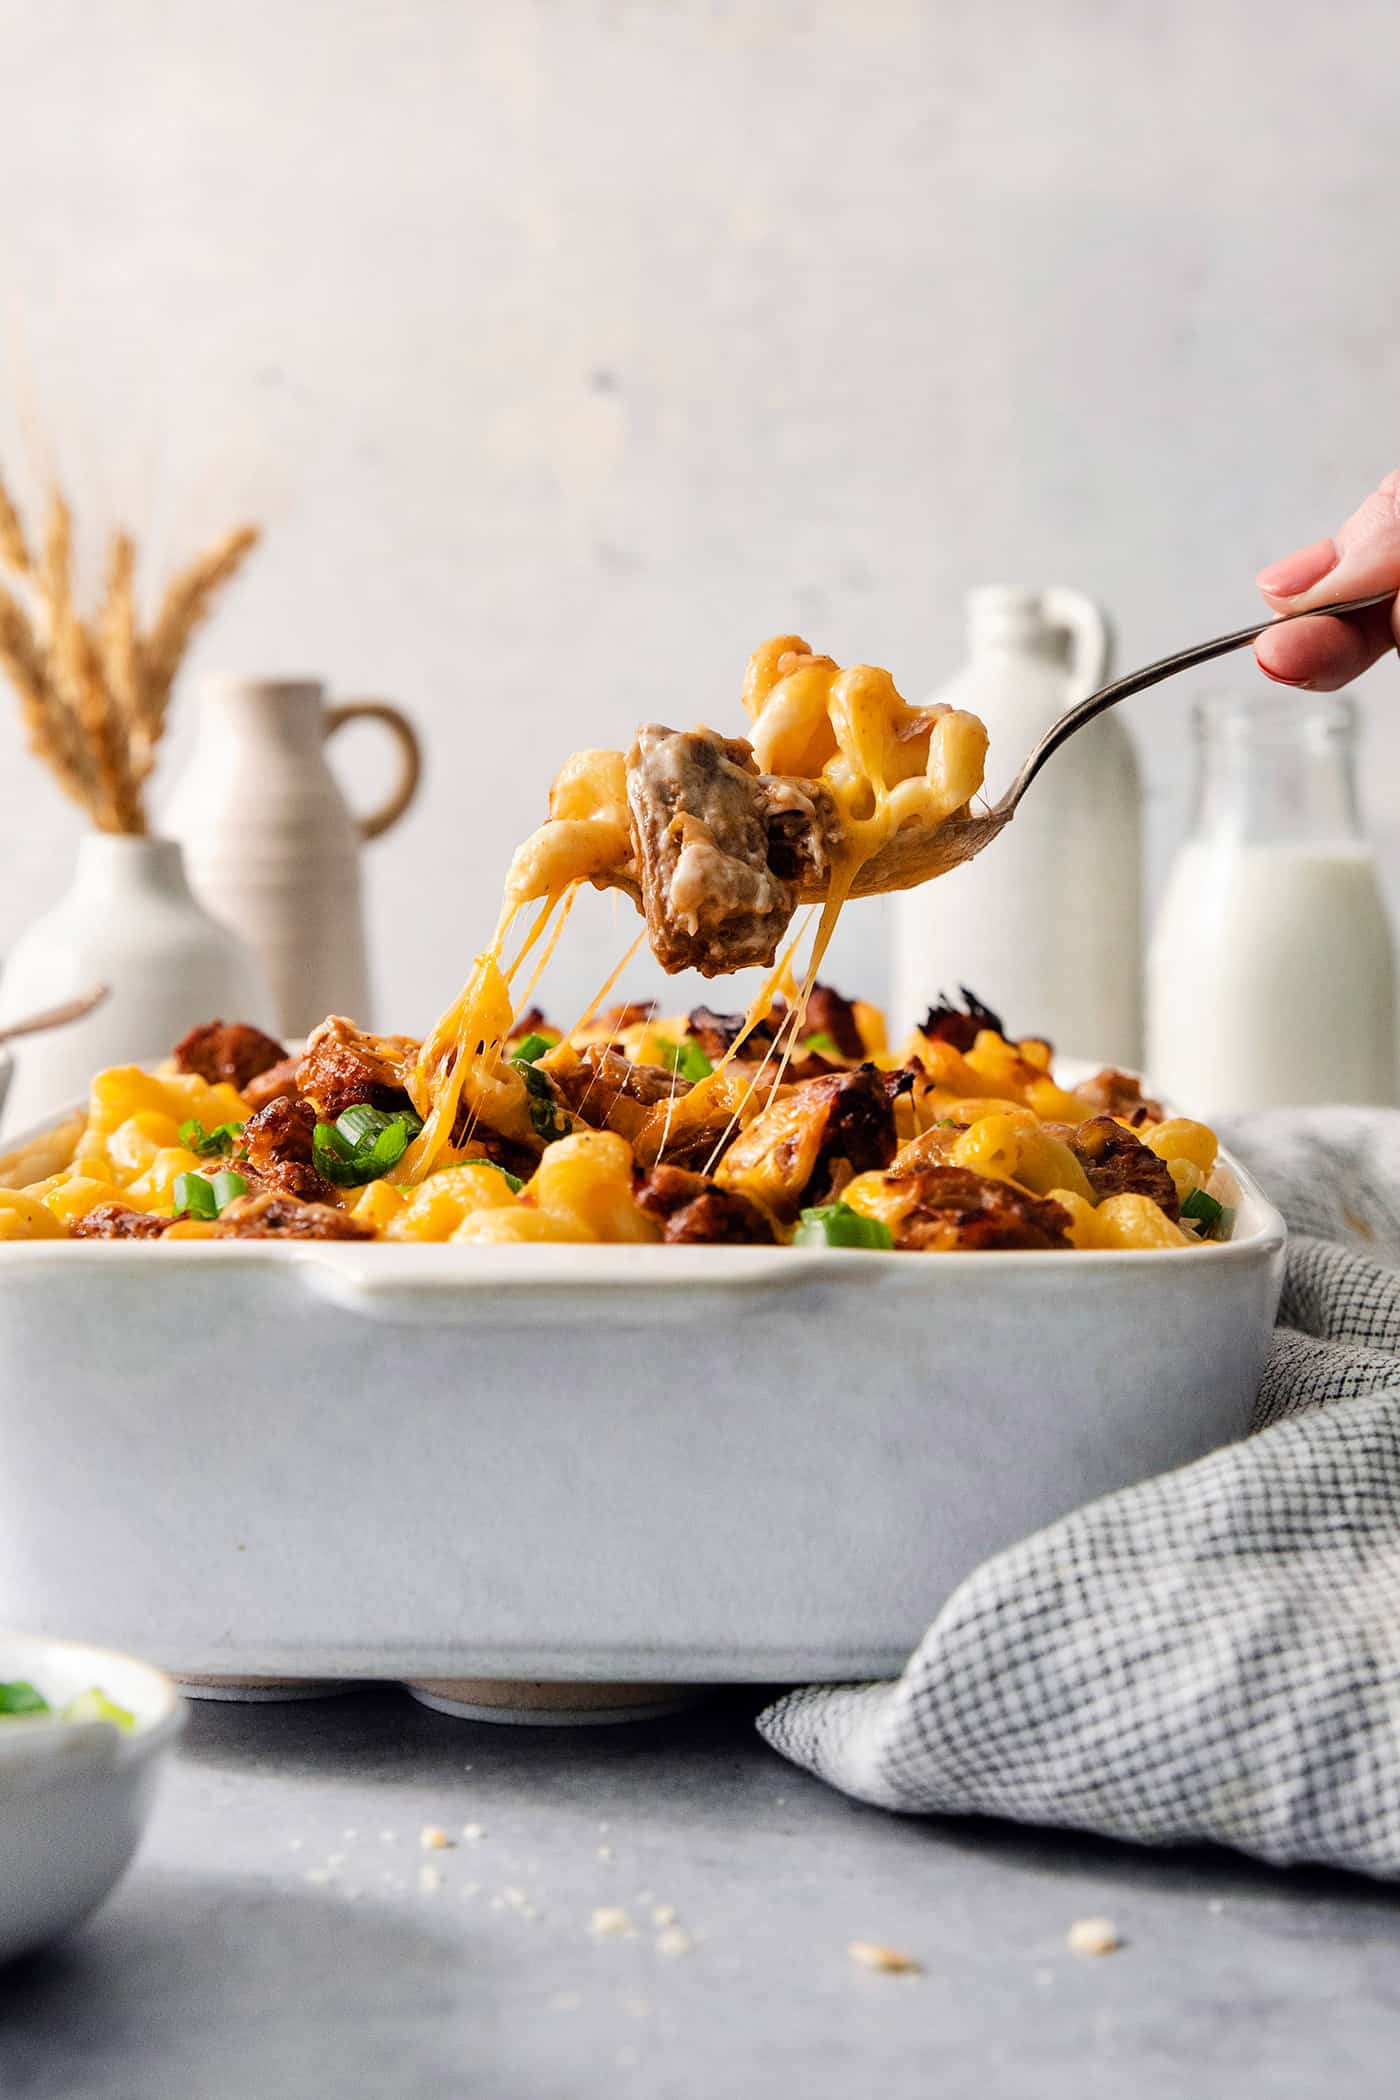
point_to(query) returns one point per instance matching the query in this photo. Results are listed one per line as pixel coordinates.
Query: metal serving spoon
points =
(56, 1016)
(914, 856)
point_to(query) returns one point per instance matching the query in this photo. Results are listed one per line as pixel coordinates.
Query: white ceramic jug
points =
(1046, 925)
(271, 845)
(131, 922)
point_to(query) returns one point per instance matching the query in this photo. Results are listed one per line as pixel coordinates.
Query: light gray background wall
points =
(569, 348)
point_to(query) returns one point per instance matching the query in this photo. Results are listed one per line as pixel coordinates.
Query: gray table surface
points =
(278, 1936)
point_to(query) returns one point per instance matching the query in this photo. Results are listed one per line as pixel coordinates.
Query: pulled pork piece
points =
(276, 1150)
(692, 1209)
(829, 1014)
(1116, 1093)
(723, 850)
(608, 1092)
(343, 1065)
(270, 1216)
(806, 1146)
(1116, 1163)
(942, 1209)
(113, 1221)
(228, 1050)
(960, 1025)
(717, 1033)
(277, 1083)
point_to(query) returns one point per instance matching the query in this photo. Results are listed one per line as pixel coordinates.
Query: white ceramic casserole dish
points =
(664, 1464)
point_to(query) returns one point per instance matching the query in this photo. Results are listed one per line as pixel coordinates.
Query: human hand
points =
(1364, 557)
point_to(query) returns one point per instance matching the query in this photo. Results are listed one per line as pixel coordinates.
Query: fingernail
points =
(1300, 571)
(1278, 677)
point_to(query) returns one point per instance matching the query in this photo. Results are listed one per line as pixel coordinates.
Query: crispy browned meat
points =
(953, 1208)
(278, 1082)
(607, 1091)
(960, 1025)
(271, 1216)
(275, 1151)
(629, 1014)
(1116, 1093)
(829, 1014)
(228, 1050)
(814, 1138)
(344, 1065)
(1116, 1163)
(722, 849)
(113, 1221)
(717, 1033)
(692, 1209)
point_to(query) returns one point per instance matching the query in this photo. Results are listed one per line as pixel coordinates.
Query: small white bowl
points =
(74, 1796)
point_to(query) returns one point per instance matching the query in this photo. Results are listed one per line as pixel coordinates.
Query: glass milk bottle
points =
(1271, 975)
(1046, 926)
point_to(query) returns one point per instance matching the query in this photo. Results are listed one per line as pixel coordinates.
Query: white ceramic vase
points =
(130, 921)
(272, 846)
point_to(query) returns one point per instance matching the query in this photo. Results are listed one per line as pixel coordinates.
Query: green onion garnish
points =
(686, 1059)
(1204, 1209)
(198, 1197)
(531, 1047)
(226, 1186)
(512, 1181)
(20, 1697)
(819, 1045)
(837, 1225)
(207, 1143)
(194, 1197)
(546, 1117)
(363, 1143)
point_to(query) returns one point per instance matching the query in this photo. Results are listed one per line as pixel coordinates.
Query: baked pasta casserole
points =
(792, 1123)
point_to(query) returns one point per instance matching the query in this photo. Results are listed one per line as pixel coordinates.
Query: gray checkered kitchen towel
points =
(1215, 1653)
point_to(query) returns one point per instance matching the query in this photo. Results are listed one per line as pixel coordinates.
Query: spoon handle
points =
(55, 1016)
(1166, 667)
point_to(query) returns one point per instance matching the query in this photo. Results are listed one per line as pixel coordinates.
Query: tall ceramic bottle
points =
(271, 845)
(1046, 926)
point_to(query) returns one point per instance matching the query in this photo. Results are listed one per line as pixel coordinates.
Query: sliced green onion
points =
(837, 1225)
(227, 1185)
(687, 1059)
(363, 1143)
(20, 1697)
(194, 1197)
(512, 1181)
(94, 1705)
(1203, 1208)
(220, 1140)
(532, 1046)
(819, 1045)
(546, 1117)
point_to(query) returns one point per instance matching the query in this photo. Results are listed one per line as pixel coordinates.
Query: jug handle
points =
(1090, 637)
(410, 758)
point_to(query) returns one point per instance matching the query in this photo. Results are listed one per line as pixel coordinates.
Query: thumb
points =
(1364, 557)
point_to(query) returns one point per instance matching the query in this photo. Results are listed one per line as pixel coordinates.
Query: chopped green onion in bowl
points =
(837, 1225)
(20, 1700)
(19, 1696)
(512, 1181)
(531, 1047)
(546, 1117)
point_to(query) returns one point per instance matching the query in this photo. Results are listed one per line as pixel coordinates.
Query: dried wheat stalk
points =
(188, 601)
(14, 548)
(94, 695)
